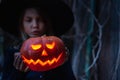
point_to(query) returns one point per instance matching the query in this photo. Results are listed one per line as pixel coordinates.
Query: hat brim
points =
(60, 13)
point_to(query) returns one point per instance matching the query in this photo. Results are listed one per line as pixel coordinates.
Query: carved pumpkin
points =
(43, 53)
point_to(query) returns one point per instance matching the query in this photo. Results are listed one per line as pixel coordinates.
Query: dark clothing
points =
(63, 72)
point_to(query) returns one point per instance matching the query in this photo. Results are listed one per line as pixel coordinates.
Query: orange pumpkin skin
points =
(43, 53)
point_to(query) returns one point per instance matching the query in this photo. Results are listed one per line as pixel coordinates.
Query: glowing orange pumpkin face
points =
(43, 53)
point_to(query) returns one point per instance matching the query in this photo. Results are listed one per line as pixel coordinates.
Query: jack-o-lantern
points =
(43, 53)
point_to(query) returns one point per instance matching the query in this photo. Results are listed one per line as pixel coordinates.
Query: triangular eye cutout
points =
(50, 46)
(36, 46)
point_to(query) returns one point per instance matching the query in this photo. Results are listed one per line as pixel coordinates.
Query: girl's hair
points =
(45, 18)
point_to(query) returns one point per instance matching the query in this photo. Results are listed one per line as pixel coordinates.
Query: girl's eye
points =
(39, 20)
(28, 19)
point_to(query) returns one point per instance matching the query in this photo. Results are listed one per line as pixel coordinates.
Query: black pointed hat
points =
(60, 12)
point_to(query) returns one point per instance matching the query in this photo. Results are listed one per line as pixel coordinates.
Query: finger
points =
(15, 60)
(17, 53)
(26, 69)
(16, 56)
(18, 62)
(21, 66)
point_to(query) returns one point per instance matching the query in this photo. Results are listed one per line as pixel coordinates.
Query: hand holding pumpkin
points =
(19, 64)
(43, 53)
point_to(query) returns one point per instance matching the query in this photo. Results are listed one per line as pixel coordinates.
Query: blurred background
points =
(93, 41)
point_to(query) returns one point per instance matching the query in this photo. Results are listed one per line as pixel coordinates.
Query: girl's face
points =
(32, 23)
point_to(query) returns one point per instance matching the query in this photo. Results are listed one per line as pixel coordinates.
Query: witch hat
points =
(59, 12)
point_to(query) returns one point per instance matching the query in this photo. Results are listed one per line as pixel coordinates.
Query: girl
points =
(34, 21)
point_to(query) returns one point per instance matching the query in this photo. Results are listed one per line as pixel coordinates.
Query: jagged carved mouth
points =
(42, 63)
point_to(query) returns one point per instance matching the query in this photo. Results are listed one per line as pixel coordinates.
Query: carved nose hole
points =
(44, 53)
